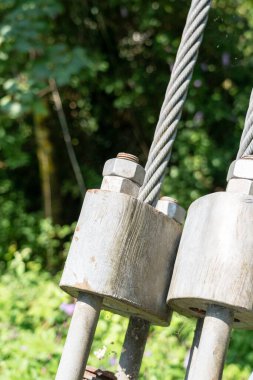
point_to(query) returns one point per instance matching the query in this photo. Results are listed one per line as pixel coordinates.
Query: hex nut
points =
(126, 169)
(240, 185)
(172, 209)
(120, 185)
(242, 168)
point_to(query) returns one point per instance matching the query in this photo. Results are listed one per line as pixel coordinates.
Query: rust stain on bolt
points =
(85, 286)
(199, 311)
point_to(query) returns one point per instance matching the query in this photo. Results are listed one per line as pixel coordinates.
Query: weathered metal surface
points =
(138, 329)
(213, 344)
(124, 168)
(214, 263)
(92, 373)
(133, 349)
(123, 250)
(172, 209)
(80, 335)
(123, 175)
(73, 362)
(194, 350)
(238, 185)
(120, 185)
(242, 168)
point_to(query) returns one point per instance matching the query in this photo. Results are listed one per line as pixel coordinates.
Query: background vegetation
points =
(110, 62)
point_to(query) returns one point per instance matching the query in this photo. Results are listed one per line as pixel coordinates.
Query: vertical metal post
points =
(213, 344)
(79, 339)
(194, 348)
(133, 349)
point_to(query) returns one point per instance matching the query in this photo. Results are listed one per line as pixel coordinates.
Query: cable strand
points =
(246, 143)
(175, 96)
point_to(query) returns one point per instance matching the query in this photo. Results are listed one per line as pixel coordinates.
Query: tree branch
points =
(66, 134)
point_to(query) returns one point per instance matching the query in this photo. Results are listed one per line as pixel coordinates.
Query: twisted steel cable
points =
(166, 129)
(246, 143)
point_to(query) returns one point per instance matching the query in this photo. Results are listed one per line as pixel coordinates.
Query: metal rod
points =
(79, 339)
(133, 349)
(194, 348)
(213, 344)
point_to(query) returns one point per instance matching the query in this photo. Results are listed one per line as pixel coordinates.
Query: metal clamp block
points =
(214, 264)
(123, 250)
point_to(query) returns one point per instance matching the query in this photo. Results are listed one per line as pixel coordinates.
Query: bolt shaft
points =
(213, 344)
(80, 335)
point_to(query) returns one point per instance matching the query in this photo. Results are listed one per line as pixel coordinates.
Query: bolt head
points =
(120, 185)
(242, 168)
(172, 209)
(124, 168)
(239, 185)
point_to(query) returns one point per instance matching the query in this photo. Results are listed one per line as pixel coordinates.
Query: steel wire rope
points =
(246, 143)
(175, 96)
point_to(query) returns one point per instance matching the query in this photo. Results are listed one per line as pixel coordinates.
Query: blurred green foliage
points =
(34, 321)
(111, 62)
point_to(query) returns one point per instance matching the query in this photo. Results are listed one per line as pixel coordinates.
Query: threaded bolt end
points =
(128, 156)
